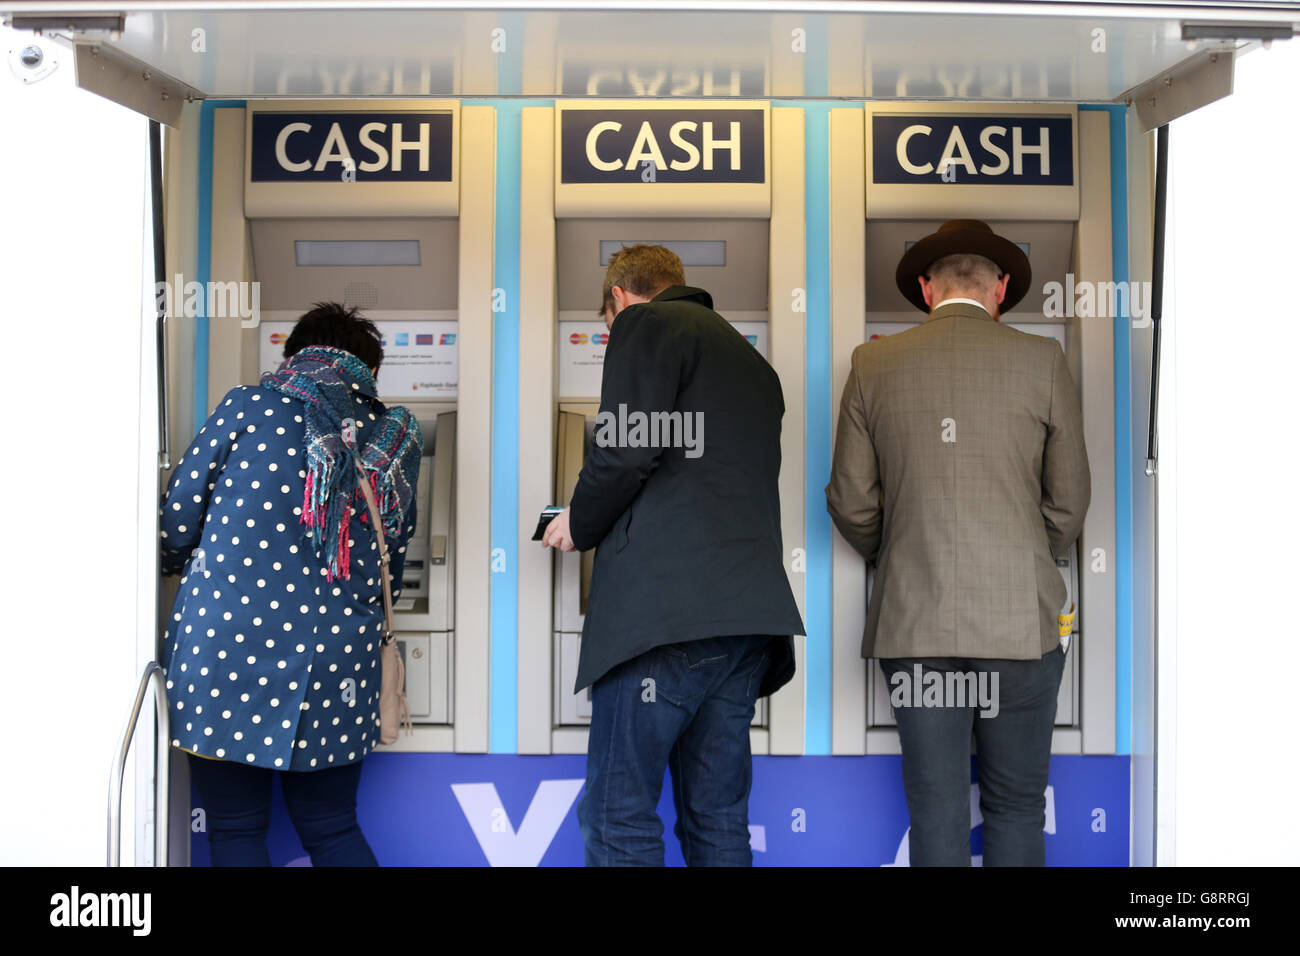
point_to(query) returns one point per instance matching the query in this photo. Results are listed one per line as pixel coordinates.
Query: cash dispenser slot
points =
(574, 430)
(425, 615)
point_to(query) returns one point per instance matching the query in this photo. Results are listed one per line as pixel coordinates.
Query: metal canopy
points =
(1032, 51)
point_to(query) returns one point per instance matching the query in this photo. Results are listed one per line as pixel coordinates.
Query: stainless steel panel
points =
(285, 285)
(740, 285)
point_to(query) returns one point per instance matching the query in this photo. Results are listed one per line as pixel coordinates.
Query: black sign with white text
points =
(980, 150)
(664, 146)
(378, 147)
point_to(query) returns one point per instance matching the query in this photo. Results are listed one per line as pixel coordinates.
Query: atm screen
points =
(692, 252)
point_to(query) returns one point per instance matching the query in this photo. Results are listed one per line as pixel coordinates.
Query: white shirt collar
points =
(950, 301)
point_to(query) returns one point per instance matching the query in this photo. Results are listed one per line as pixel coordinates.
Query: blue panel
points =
(503, 736)
(203, 257)
(1122, 564)
(803, 811)
(819, 408)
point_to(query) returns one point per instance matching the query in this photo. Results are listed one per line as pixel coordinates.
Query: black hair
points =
(330, 324)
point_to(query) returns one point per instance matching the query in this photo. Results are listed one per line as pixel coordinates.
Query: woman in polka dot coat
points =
(272, 648)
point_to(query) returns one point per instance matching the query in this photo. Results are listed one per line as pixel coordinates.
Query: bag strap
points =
(377, 523)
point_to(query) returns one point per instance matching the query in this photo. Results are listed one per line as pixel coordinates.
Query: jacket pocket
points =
(620, 530)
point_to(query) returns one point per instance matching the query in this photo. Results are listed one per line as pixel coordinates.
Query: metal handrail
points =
(153, 674)
(161, 301)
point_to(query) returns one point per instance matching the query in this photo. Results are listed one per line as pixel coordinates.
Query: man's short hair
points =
(964, 271)
(329, 323)
(643, 270)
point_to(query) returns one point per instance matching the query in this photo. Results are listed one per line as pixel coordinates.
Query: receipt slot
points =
(425, 613)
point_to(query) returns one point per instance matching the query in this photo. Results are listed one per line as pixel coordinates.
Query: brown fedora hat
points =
(956, 236)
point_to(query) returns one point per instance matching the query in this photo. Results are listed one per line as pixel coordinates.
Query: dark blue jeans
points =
(684, 707)
(1013, 750)
(322, 805)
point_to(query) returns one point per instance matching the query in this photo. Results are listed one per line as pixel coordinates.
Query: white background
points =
(73, 170)
(1229, 638)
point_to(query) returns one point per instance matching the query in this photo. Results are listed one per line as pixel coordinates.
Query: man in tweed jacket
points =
(959, 473)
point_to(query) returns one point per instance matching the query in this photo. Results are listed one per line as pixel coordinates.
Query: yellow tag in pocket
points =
(1065, 621)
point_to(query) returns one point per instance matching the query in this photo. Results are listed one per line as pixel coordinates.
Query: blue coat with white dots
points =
(268, 663)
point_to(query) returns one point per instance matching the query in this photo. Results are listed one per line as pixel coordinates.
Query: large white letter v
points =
(503, 845)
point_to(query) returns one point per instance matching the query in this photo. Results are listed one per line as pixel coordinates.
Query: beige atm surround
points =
(540, 401)
(1047, 219)
(233, 360)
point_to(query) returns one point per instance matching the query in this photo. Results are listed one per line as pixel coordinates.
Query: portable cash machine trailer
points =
(878, 120)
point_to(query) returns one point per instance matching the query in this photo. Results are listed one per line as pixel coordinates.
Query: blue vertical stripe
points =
(1122, 560)
(203, 257)
(818, 410)
(503, 719)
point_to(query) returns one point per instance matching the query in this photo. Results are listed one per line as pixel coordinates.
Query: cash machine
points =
(726, 257)
(1038, 175)
(702, 180)
(360, 203)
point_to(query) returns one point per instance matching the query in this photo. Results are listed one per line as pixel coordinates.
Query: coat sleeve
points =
(643, 369)
(1067, 481)
(397, 555)
(185, 503)
(853, 496)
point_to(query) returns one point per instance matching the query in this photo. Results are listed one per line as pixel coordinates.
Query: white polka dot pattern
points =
(230, 523)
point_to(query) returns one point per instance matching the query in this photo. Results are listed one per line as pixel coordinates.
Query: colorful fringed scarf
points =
(327, 380)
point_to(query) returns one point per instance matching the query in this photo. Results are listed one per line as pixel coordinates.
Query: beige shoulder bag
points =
(393, 711)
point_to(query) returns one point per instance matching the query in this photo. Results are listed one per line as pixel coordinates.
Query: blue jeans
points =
(684, 707)
(1014, 749)
(322, 805)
